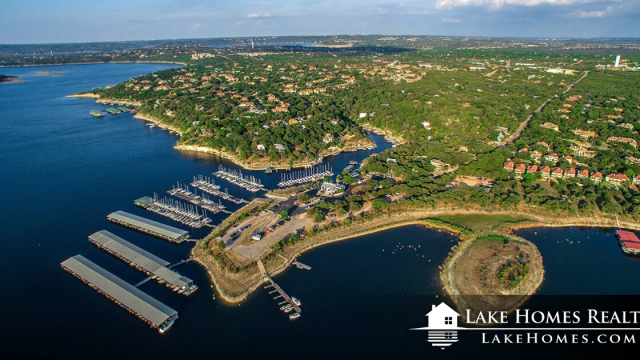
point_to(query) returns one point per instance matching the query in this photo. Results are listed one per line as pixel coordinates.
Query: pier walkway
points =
(277, 287)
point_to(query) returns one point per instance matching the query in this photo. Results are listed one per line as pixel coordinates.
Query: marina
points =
(149, 227)
(136, 302)
(249, 183)
(304, 176)
(174, 210)
(210, 188)
(113, 111)
(96, 113)
(142, 260)
(288, 302)
(203, 200)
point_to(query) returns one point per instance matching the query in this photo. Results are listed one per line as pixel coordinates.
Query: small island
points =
(6, 79)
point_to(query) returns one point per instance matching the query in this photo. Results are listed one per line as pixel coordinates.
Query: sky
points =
(62, 21)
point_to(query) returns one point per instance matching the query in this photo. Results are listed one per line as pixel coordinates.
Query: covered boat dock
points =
(142, 260)
(136, 302)
(150, 227)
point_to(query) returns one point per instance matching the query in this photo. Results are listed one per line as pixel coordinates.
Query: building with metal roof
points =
(147, 226)
(142, 260)
(125, 295)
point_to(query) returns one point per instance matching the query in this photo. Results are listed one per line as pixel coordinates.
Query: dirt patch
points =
(495, 273)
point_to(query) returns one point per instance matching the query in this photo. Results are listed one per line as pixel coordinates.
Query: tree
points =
(221, 246)
(284, 214)
(349, 180)
(303, 198)
(319, 216)
(378, 204)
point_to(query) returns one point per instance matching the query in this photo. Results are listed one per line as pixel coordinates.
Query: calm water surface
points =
(63, 171)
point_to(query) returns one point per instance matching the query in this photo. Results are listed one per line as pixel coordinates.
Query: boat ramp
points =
(144, 307)
(174, 210)
(149, 227)
(142, 260)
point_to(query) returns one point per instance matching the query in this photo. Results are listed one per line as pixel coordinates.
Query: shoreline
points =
(98, 63)
(426, 218)
(249, 166)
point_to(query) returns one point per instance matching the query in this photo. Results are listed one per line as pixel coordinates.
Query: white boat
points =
(164, 327)
(287, 308)
(296, 301)
(294, 316)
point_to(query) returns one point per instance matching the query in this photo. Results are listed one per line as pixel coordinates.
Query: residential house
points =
(260, 147)
(545, 171)
(583, 174)
(570, 173)
(552, 157)
(532, 169)
(618, 179)
(596, 177)
(557, 173)
(509, 166)
(439, 164)
(551, 126)
(625, 140)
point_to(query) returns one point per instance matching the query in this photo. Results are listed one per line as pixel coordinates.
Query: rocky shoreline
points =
(250, 280)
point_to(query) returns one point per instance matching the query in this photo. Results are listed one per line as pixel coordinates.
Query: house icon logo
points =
(443, 326)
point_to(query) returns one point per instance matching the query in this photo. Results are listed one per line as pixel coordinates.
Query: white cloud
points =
(500, 3)
(451, 20)
(258, 15)
(594, 13)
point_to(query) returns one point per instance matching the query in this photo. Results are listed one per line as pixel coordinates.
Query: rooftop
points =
(142, 304)
(150, 225)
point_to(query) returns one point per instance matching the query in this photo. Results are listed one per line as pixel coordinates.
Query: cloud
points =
(500, 3)
(196, 26)
(258, 15)
(451, 20)
(593, 14)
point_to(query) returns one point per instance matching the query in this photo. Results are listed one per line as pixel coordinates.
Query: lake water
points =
(63, 171)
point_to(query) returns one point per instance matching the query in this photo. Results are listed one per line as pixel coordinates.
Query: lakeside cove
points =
(236, 286)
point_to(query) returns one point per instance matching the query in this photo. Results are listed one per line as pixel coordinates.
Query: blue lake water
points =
(62, 171)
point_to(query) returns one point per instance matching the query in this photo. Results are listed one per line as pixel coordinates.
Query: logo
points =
(443, 326)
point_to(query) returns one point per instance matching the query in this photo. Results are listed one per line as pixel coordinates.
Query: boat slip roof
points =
(139, 257)
(138, 221)
(144, 305)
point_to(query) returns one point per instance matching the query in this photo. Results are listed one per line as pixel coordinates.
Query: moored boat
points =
(96, 113)
(294, 316)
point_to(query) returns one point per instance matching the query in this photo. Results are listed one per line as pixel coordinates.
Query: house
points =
(427, 125)
(260, 147)
(583, 174)
(557, 173)
(581, 151)
(439, 164)
(362, 115)
(636, 180)
(551, 126)
(520, 169)
(569, 159)
(625, 140)
(442, 318)
(328, 137)
(279, 147)
(545, 171)
(552, 157)
(584, 133)
(532, 169)
(570, 172)
(331, 188)
(536, 155)
(509, 165)
(618, 179)
(596, 177)
(463, 148)
(392, 160)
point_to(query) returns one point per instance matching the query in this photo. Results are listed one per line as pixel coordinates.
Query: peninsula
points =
(526, 139)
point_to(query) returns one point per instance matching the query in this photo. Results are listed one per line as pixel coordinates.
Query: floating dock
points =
(144, 261)
(151, 311)
(149, 227)
(183, 192)
(277, 288)
(305, 176)
(209, 188)
(628, 241)
(174, 210)
(250, 183)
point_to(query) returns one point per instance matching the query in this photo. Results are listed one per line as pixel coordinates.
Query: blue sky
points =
(45, 21)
